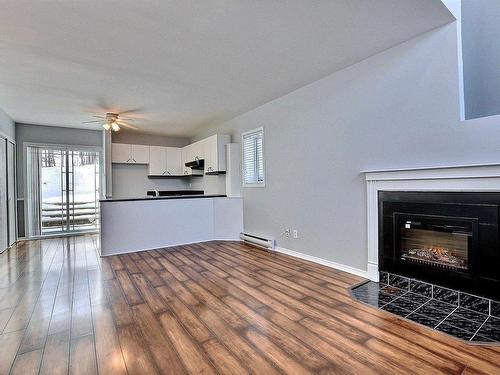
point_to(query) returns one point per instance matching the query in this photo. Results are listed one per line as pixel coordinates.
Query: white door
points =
(11, 191)
(121, 153)
(4, 234)
(174, 160)
(157, 160)
(140, 154)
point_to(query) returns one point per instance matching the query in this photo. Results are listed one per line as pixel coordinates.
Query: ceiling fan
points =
(112, 121)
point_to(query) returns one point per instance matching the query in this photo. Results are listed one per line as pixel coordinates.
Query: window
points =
(253, 157)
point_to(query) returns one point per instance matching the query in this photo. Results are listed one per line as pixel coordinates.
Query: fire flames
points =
(435, 255)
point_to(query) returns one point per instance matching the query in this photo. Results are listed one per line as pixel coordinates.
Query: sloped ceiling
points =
(180, 65)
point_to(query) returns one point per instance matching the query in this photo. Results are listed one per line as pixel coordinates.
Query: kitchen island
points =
(137, 224)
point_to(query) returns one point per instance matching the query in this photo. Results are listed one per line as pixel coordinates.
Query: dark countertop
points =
(145, 198)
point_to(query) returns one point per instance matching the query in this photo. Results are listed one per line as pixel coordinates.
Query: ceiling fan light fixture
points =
(106, 126)
(114, 126)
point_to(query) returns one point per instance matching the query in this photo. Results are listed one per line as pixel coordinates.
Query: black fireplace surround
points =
(447, 238)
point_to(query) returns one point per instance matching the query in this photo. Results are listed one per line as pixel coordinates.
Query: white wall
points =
(131, 181)
(481, 56)
(399, 108)
(7, 127)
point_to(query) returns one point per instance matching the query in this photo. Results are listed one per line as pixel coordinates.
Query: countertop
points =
(150, 198)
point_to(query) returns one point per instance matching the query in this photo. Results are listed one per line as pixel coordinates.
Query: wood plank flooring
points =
(211, 308)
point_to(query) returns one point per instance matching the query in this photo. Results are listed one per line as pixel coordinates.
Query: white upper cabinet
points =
(129, 154)
(157, 160)
(165, 161)
(174, 160)
(215, 153)
(197, 150)
(140, 154)
(120, 153)
(186, 157)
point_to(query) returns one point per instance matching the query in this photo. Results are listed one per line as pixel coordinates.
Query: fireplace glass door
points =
(434, 241)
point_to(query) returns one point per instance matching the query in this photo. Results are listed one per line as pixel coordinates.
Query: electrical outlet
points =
(295, 233)
(288, 232)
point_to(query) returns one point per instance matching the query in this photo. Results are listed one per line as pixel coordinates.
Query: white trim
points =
(7, 137)
(56, 146)
(153, 248)
(256, 184)
(483, 177)
(324, 262)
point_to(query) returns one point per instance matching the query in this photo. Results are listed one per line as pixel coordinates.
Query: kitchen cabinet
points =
(165, 161)
(198, 150)
(215, 153)
(174, 160)
(140, 154)
(186, 157)
(129, 154)
(157, 160)
(171, 160)
(120, 153)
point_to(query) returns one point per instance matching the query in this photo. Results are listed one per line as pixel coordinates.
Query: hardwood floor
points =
(215, 307)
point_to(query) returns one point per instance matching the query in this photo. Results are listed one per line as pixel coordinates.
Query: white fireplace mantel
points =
(483, 177)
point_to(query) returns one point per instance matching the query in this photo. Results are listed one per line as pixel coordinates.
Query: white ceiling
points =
(183, 63)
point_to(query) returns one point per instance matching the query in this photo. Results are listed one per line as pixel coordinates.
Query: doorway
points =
(63, 190)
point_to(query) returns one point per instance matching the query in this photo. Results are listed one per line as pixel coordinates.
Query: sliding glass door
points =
(4, 225)
(64, 190)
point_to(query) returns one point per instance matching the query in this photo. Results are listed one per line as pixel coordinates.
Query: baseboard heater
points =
(257, 241)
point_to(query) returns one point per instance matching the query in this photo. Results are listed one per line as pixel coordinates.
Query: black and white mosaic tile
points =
(465, 316)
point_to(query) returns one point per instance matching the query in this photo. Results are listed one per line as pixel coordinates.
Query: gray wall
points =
(132, 180)
(399, 108)
(50, 135)
(481, 57)
(124, 136)
(7, 127)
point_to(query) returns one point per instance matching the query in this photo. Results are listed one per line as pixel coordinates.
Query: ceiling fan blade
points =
(99, 116)
(133, 110)
(128, 126)
(90, 122)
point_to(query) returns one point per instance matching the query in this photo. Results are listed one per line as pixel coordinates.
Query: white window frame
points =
(255, 184)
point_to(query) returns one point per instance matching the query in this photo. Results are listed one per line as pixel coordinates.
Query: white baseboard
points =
(324, 262)
(373, 274)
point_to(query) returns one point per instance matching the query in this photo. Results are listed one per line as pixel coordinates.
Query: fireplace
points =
(434, 241)
(447, 238)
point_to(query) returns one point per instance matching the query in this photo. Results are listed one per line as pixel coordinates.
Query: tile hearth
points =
(458, 314)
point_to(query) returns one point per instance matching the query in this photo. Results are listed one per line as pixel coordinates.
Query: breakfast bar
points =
(138, 224)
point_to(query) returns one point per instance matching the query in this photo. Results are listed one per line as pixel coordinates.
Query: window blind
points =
(253, 158)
